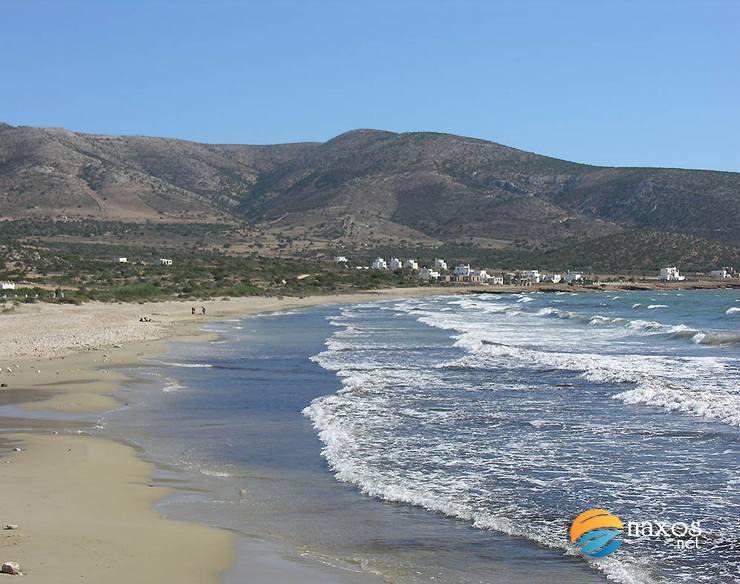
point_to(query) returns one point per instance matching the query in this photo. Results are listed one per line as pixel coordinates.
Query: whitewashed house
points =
(411, 264)
(427, 274)
(551, 278)
(670, 274)
(478, 277)
(395, 264)
(440, 264)
(122, 260)
(7, 285)
(462, 271)
(721, 274)
(496, 280)
(165, 262)
(341, 260)
(379, 264)
(573, 277)
(532, 275)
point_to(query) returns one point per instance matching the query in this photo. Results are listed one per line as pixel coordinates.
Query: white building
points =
(395, 264)
(572, 277)
(721, 274)
(462, 271)
(122, 260)
(551, 278)
(165, 262)
(670, 275)
(341, 260)
(531, 275)
(479, 276)
(427, 274)
(440, 264)
(496, 280)
(379, 264)
(411, 264)
(7, 285)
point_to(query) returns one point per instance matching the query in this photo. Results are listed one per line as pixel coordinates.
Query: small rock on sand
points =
(11, 526)
(11, 568)
(16, 450)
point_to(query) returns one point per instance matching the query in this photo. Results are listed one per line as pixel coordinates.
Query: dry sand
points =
(82, 503)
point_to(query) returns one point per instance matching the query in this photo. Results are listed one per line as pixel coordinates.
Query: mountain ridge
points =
(362, 187)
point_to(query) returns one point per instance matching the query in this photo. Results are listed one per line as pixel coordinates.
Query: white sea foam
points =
(692, 385)
(215, 473)
(171, 385)
(341, 432)
(687, 398)
(186, 365)
(653, 306)
(364, 427)
(732, 310)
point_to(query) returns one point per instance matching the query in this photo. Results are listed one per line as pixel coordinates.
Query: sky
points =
(632, 83)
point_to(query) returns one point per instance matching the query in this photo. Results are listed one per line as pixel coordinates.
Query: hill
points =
(362, 188)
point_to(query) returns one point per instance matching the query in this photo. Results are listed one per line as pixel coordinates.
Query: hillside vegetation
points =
(363, 188)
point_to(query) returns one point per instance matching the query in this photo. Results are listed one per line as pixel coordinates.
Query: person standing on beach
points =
(192, 310)
(203, 310)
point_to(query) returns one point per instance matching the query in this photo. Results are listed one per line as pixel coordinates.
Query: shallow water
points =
(478, 426)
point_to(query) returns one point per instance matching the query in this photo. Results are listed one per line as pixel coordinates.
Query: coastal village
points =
(440, 273)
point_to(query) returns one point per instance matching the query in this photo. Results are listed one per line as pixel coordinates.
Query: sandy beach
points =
(83, 504)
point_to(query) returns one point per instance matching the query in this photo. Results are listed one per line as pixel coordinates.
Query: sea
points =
(455, 438)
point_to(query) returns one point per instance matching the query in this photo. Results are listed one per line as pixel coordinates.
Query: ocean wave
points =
(171, 385)
(685, 398)
(733, 310)
(215, 473)
(598, 319)
(649, 327)
(186, 365)
(685, 332)
(691, 385)
(284, 312)
(653, 306)
(343, 453)
(555, 312)
(406, 430)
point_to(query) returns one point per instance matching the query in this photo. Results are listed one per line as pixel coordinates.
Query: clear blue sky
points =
(626, 83)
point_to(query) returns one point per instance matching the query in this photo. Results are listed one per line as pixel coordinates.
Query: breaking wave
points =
(648, 327)
(420, 422)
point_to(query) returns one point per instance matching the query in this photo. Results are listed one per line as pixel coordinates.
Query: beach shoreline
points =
(83, 503)
(88, 510)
